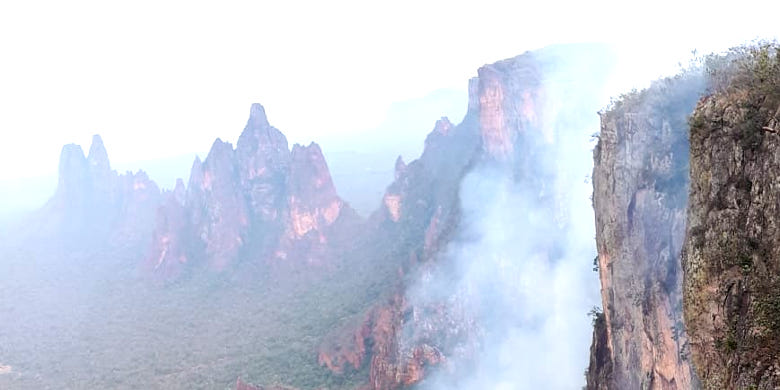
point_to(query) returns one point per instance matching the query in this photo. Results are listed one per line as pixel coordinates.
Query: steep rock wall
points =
(730, 259)
(639, 196)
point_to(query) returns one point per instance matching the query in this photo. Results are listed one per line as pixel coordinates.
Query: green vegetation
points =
(596, 314)
(665, 106)
(753, 70)
(750, 76)
(733, 139)
(768, 309)
(85, 320)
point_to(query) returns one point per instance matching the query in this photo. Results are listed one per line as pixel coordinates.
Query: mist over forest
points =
(309, 197)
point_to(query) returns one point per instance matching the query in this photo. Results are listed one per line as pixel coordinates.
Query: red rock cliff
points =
(260, 201)
(639, 196)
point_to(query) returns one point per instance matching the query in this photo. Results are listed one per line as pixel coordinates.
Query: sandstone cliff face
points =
(173, 235)
(508, 103)
(398, 341)
(599, 373)
(224, 218)
(401, 342)
(314, 207)
(263, 161)
(732, 273)
(258, 202)
(639, 197)
(93, 202)
(406, 338)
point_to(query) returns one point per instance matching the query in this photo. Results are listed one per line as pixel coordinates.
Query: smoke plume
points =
(520, 268)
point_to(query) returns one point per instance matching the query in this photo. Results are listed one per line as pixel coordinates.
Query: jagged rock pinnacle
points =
(98, 157)
(72, 168)
(180, 191)
(259, 135)
(400, 167)
(443, 125)
(257, 118)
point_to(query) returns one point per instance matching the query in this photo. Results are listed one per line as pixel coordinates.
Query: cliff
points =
(732, 273)
(431, 329)
(640, 182)
(257, 203)
(471, 269)
(93, 202)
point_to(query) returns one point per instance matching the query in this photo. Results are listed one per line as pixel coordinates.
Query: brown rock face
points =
(224, 219)
(599, 374)
(313, 201)
(140, 197)
(406, 338)
(260, 201)
(172, 236)
(730, 259)
(508, 92)
(639, 187)
(346, 348)
(263, 161)
(393, 363)
(400, 342)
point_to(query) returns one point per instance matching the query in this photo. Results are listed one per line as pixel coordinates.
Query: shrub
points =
(752, 70)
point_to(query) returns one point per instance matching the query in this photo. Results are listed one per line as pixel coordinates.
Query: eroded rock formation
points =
(640, 183)
(94, 202)
(732, 273)
(404, 340)
(259, 200)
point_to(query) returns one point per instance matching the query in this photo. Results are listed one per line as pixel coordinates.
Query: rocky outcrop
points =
(398, 342)
(263, 163)
(639, 196)
(377, 341)
(93, 202)
(346, 348)
(258, 202)
(313, 207)
(173, 236)
(506, 107)
(730, 259)
(222, 222)
(599, 373)
(404, 340)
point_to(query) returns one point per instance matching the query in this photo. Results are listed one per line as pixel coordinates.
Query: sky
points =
(161, 78)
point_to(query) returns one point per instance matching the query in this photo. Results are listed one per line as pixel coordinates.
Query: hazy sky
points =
(163, 78)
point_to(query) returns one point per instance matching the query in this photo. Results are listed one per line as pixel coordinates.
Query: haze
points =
(159, 80)
(287, 264)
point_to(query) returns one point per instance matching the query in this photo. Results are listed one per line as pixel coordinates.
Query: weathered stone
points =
(639, 197)
(730, 258)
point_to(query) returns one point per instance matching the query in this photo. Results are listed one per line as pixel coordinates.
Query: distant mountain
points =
(262, 195)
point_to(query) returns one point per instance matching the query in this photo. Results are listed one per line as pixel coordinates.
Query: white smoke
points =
(524, 256)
